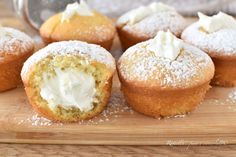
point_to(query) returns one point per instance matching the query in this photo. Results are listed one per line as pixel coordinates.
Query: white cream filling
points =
(140, 13)
(76, 8)
(165, 45)
(216, 22)
(69, 88)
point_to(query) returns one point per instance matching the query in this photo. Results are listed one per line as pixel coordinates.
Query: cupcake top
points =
(90, 52)
(76, 8)
(14, 42)
(78, 22)
(216, 35)
(165, 62)
(147, 20)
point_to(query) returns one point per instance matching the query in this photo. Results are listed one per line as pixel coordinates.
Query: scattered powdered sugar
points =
(13, 41)
(222, 42)
(150, 25)
(139, 64)
(37, 120)
(227, 101)
(91, 52)
(232, 96)
(231, 101)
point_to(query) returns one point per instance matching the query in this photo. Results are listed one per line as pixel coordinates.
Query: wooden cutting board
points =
(213, 122)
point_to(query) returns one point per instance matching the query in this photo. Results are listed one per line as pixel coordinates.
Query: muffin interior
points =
(49, 64)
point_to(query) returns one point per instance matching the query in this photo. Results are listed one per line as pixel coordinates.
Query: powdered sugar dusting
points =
(13, 41)
(98, 33)
(222, 42)
(232, 96)
(89, 51)
(150, 25)
(139, 64)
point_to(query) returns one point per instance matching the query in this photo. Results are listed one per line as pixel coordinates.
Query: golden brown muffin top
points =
(141, 67)
(149, 25)
(93, 29)
(219, 44)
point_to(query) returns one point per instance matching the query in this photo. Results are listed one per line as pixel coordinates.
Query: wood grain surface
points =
(213, 122)
(7, 18)
(26, 150)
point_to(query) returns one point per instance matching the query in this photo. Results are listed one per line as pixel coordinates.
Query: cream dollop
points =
(76, 8)
(69, 88)
(216, 22)
(165, 45)
(140, 13)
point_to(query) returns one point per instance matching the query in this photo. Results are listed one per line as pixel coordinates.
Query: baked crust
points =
(81, 56)
(15, 48)
(221, 47)
(10, 71)
(156, 87)
(225, 74)
(156, 102)
(96, 29)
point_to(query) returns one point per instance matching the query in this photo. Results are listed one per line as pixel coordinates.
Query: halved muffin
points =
(69, 81)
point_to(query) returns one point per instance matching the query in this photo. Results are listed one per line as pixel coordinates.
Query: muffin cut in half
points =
(15, 48)
(79, 22)
(164, 76)
(69, 81)
(216, 35)
(143, 23)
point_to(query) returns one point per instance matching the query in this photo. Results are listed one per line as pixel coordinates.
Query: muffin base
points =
(225, 72)
(46, 112)
(164, 103)
(10, 69)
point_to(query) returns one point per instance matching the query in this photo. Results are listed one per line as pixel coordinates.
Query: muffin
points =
(79, 22)
(15, 48)
(69, 81)
(164, 76)
(216, 35)
(144, 22)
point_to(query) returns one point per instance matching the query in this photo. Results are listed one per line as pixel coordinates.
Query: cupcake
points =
(15, 48)
(216, 35)
(144, 22)
(69, 81)
(164, 76)
(79, 22)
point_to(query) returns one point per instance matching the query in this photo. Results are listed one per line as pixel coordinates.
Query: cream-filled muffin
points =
(164, 76)
(216, 35)
(143, 23)
(79, 22)
(69, 81)
(15, 48)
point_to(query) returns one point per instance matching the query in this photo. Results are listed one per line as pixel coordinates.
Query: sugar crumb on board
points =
(232, 100)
